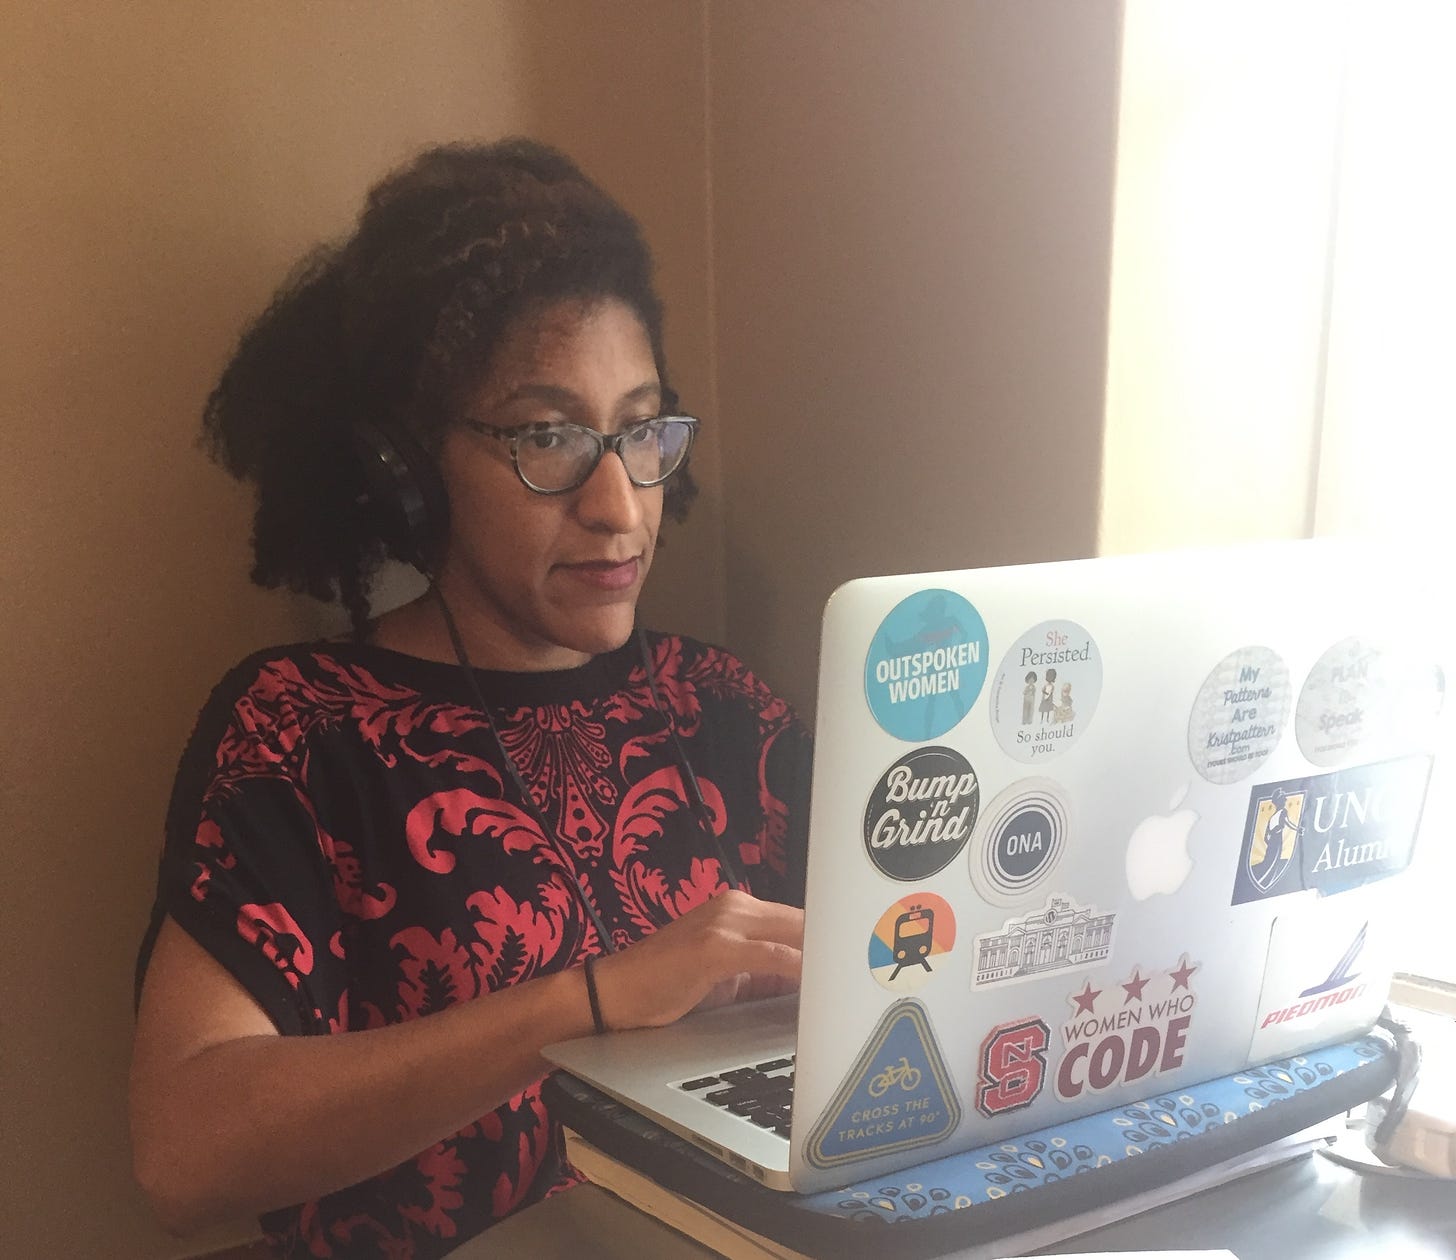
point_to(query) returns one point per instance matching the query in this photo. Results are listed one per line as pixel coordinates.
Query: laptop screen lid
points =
(1083, 832)
(1080, 833)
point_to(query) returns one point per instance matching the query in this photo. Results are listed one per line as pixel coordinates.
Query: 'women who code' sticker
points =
(926, 665)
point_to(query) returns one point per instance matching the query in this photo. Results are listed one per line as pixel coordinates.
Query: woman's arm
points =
(229, 1118)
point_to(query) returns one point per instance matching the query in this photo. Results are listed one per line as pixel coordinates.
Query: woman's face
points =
(547, 581)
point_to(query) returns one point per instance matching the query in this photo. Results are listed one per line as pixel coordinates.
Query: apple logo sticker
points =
(1157, 851)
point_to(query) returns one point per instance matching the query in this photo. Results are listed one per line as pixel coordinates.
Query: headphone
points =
(405, 494)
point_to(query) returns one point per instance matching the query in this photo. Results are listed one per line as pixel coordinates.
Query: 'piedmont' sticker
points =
(926, 665)
(896, 1097)
(921, 813)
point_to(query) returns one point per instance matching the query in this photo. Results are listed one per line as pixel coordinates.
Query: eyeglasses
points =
(556, 456)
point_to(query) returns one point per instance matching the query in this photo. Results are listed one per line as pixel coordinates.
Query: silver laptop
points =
(1080, 833)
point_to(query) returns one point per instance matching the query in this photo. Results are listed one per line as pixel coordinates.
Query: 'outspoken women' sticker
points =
(926, 665)
(1239, 714)
(909, 940)
(1046, 691)
(921, 813)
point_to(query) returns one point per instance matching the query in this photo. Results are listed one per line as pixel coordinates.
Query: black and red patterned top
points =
(345, 839)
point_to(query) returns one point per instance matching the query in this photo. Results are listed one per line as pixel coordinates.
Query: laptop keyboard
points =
(762, 1093)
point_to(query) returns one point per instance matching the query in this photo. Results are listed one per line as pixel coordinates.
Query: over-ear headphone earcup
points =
(406, 494)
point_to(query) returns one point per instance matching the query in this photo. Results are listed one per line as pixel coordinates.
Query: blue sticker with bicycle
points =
(926, 665)
(897, 1096)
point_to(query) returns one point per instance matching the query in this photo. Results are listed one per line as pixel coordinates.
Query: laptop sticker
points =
(1127, 1031)
(926, 665)
(1357, 696)
(909, 941)
(1046, 691)
(921, 813)
(1059, 937)
(1331, 832)
(1019, 841)
(1239, 715)
(1157, 859)
(896, 1097)
(1013, 1066)
(1327, 976)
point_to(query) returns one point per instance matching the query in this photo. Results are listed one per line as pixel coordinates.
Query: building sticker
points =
(1060, 936)
(1331, 832)
(926, 665)
(898, 1095)
(1326, 978)
(1019, 841)
(1127, 1031)
(921, 813)
(909, 941)
(1013, 1066)
(1239, 715)
(1046, 691)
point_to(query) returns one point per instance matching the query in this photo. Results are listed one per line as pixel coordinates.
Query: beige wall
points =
(162, 166)
(907, 252)
(911, 222)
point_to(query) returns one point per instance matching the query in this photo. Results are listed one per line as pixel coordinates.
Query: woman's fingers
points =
(730, 948)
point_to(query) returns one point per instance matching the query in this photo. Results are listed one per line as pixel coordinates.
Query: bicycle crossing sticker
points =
(909, 940)
(896, 1097)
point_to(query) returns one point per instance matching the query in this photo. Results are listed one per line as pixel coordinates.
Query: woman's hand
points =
(734, 948)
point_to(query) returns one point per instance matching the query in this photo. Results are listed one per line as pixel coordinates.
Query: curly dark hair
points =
(391, 327)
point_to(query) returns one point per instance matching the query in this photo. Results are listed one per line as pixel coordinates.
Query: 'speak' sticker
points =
(896, 1097)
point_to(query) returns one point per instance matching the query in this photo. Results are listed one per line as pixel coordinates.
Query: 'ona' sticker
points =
(1019, 842)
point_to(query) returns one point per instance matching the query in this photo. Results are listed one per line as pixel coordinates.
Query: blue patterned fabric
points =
(993, 1173)
(1054, 1154)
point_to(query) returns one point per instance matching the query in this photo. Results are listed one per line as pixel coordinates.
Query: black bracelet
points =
(591, 994)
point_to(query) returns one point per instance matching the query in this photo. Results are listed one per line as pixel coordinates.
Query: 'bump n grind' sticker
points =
(926, 665)
(897, 1096)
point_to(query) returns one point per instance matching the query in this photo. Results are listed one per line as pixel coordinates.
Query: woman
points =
(457, 813)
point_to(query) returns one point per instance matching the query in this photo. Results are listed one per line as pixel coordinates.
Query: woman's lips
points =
(604, 575)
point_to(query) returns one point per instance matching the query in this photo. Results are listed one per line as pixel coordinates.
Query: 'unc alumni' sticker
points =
(896, 1097)
(926, 665)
